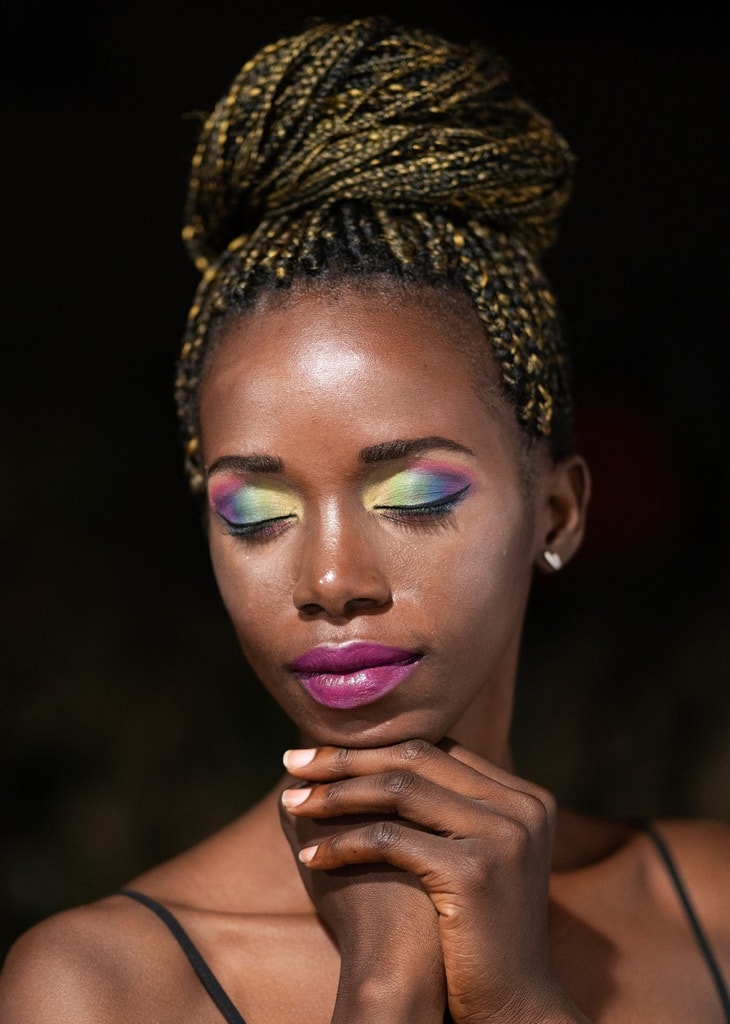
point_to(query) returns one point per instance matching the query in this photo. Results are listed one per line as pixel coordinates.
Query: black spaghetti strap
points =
(210, 982)
(702, 941)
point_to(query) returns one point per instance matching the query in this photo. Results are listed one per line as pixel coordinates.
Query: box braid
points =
(363, 148)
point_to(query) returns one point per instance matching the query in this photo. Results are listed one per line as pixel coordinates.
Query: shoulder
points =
(97, 963)
(700, 850)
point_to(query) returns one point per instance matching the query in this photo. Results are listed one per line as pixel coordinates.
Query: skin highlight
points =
(343, 572)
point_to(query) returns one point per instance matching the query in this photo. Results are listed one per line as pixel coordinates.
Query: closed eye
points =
(253, 510)
(439, 508)
(261, 530)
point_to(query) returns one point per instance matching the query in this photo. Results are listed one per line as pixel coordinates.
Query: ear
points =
(560, 514)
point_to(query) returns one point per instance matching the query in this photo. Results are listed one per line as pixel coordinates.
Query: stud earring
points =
(553, 559)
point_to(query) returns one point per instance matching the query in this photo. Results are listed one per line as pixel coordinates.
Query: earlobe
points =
(561, 516)
(553, 559)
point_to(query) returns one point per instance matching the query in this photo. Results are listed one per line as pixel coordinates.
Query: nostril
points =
(337, 609)
(311, 608)
(342, 586)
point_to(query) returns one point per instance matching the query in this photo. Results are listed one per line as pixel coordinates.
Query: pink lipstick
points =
(354, 674)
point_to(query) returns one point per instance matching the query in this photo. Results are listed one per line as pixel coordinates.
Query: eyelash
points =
(261, 531)
(431, 513)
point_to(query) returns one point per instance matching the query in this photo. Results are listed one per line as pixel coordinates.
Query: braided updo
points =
(364, 148)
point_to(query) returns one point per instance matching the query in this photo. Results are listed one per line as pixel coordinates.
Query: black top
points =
(231, 1015)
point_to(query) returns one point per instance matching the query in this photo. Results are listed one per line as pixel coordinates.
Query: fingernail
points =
(294, 797)
(307, 854)
(299, 758)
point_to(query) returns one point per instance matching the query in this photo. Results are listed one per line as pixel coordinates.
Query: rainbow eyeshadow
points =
(243, 504)
(424, 483)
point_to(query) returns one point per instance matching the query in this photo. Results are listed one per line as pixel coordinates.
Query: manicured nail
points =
(299, 758)
(294, 797)
(307, 854)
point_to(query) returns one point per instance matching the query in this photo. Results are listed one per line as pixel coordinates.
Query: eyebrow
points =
(386, 451)
(401, 449)
(247, 464)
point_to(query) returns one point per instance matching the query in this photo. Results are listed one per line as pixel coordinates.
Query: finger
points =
(458, 770)
(383, 841)
(324, 764)
(494, 771)
(417, 800)
(404, 794)
(473, 873)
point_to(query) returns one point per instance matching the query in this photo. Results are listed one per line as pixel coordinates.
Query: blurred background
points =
(130, 726)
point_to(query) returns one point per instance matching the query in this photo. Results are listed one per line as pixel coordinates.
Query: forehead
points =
(361, 362)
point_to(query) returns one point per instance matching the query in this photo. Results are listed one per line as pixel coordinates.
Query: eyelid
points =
(421, 485)
(452, 498)
(239, 502)
(265, 529)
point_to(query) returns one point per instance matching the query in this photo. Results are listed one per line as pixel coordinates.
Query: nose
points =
(340, 573)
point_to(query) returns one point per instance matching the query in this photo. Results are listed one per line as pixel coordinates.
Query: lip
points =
(353, 674)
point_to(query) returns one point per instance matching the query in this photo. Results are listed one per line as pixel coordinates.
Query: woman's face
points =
(371, 531)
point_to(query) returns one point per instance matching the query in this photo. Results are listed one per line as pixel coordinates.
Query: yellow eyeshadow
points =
(243, 503)
(423, 484)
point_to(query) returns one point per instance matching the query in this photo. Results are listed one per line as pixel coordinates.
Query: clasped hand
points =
(430, 866)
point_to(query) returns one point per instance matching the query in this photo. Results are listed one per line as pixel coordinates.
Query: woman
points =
(374, 394)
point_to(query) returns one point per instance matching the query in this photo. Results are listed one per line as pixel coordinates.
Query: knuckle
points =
(539, 808)
(549, 804)
(515, 836)
(530, 810)
(342, 759)
(545, 796)
(414, 750)
(400, 783)
(384, 835)
(337, 842)
(333, 794)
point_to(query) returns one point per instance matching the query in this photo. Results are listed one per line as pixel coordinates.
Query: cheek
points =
(254, 592)
(481, 586)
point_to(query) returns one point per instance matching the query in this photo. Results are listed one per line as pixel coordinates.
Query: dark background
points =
(130, 726)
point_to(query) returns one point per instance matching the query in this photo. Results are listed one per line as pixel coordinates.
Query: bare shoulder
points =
(700, 850)
(115, 962)
(100, 962)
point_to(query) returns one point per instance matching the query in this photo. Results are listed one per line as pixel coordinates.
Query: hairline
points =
(441, 294)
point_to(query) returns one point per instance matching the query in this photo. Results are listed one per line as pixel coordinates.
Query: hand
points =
(385, 926)
(478, 839)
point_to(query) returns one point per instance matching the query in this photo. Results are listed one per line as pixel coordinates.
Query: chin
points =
(360, 729)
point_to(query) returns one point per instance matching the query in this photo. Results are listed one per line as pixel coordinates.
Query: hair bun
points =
(369, 111)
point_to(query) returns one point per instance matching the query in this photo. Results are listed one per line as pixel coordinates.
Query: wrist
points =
(375, 1004)
(390, 998)
(565, 1012)
(558, 1011)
